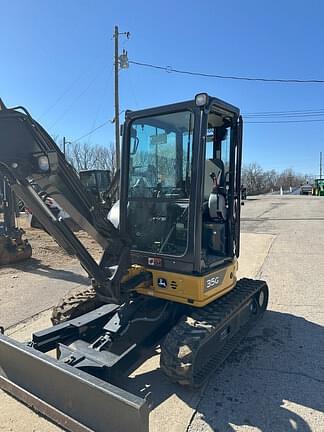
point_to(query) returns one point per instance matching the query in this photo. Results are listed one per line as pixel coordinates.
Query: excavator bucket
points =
(12, 247)
(71, 398)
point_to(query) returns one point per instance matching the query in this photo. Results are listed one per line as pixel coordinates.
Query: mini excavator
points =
(167, 275)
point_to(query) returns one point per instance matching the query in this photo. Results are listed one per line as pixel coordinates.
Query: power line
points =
(96, 128)
(66, 91)
(102, 102)
(261, 114)
(286, 121)
(248, 121)
(78, 97)
(284, 115)
(170, 69)
(266, 121)
(90, 132)
(297, 116)
(286, 112)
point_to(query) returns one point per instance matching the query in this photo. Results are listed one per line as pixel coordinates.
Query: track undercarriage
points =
(110, 340)
(200, 339)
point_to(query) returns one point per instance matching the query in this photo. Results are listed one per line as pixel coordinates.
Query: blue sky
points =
(57, 60)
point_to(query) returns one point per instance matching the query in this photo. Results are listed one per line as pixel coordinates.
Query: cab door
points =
(236, 219)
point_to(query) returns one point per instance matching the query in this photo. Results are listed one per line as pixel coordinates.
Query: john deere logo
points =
(162, 283)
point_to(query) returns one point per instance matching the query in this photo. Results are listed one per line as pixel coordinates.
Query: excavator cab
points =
(167, 276)
(180, 183)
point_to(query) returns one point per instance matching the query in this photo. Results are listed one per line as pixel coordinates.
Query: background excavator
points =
(102, 184)
(167, 275)
(318, 187)
(13, 247)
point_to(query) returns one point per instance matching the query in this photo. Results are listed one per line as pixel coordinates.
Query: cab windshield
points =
(159, 182)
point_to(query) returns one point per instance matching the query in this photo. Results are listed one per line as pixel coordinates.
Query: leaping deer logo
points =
(162, 283)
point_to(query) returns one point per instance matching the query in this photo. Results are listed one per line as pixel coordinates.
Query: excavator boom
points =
(29, 155)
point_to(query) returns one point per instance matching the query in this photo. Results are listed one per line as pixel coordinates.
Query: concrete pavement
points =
(274, 381)
(172, 403)
(35, 288)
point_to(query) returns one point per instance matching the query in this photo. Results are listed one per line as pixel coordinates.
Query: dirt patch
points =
(47, 252)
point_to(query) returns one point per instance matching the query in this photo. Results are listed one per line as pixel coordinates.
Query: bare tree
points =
(106, 157)
(86, 156)
(252, 177)
(257, 180)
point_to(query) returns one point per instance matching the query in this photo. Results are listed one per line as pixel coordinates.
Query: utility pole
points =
(320, 165)
(64, 145)
(117, 137)
(121, 61)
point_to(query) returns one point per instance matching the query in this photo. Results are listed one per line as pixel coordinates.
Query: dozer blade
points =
(71, 398)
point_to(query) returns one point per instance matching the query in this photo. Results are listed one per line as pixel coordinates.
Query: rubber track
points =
(76, 302)
(182, 344)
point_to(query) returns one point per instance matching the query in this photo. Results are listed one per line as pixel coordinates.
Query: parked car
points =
(306, 189)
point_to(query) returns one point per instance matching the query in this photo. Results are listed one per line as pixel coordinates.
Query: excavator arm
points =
(70, 390)
(28, 156)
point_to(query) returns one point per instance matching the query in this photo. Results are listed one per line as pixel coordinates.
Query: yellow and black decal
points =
(189, 289)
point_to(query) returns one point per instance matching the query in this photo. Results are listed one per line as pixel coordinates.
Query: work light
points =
(43, 163)
(201, 99)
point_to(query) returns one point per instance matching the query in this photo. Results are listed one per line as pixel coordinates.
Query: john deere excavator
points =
(167, 275)
(13, 247)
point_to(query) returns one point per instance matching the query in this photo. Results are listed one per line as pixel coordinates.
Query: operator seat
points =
(215, 188)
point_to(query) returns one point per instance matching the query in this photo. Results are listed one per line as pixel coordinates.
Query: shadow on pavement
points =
(279, 364)
(36, 267)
